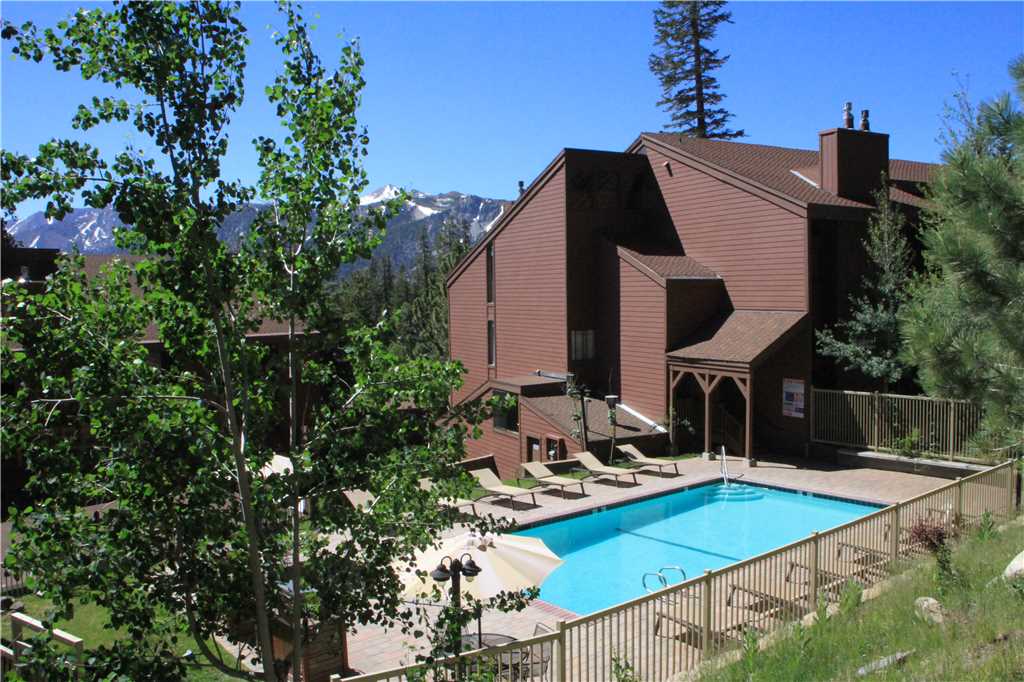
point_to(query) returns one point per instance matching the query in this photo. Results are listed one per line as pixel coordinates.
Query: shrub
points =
(935, 538)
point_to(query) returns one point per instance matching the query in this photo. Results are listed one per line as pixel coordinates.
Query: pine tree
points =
(684, 65)
(869, 340)
(964, 319)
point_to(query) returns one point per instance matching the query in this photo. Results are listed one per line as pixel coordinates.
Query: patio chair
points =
(494, 487)
(543, 474)
(692, 634)
(638, 457)
(594, 466)
(764, 603)
(456, 503)
(537, 659)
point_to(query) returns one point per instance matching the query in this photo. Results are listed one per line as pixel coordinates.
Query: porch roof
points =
(558, 410)
(741, 336)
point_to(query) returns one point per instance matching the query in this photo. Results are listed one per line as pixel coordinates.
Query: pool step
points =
(734, 493)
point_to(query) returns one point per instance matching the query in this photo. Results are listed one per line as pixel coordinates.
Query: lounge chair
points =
(594, 466)
(455, 503)
(359, 499)
(692, 634)
(539, 471)
(764, 603)
(635, 455)
(493, 485)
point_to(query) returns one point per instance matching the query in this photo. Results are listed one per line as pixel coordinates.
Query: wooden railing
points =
(884, 421)
(672, 630)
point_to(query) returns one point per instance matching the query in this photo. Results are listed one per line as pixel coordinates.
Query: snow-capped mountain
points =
(92, 230)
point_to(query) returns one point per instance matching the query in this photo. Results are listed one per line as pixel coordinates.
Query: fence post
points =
(949, 435)
(959, 518)
(559, 652)
(706, 642)
(812, 585)
(894, 533)
(876, 415)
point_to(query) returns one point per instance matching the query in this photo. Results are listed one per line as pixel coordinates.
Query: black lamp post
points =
(454, 569)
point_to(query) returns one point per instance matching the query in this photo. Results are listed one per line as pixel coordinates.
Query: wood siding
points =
(504, 446)
(773, 432)
(529, 271)
(642, 334)
(467, 315)
(758, 248)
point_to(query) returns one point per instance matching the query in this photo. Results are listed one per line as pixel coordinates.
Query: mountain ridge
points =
(91, 230)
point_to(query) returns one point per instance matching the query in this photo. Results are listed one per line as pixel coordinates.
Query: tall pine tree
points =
(684, 64)
(964, 320)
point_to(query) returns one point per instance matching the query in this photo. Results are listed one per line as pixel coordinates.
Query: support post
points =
(950, 441)
(706, 641)
(748, 429)
(672, 411)
(958, 519)
(707, 416)
(559, 653)
(812, 583)
(894, 534)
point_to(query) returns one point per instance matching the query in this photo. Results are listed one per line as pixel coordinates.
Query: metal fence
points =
(885, 421)
(671, 631)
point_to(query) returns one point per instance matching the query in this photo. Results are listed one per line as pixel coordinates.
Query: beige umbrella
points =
(506, 563)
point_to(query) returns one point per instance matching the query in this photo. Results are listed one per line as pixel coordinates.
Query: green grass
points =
(972, 645)
(88, 623)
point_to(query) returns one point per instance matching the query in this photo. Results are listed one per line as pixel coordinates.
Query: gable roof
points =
(558, 410)
(789, 172)
(665, 266)
(742, 336)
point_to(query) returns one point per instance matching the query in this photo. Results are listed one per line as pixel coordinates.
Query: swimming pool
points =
(606, 553)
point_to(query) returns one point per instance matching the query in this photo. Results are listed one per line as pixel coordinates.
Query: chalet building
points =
(682, 278)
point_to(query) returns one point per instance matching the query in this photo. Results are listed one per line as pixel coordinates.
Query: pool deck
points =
(373, 648)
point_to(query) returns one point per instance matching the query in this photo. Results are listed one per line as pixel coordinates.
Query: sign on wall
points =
(793, 398)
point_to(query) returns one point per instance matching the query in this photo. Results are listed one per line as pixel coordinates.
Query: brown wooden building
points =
(684, 275)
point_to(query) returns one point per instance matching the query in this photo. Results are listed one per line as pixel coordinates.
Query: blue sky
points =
(475, 96)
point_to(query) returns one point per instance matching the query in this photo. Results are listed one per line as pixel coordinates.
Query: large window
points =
(507, 418)
(492, 344)
(490, 272)
(583, 345)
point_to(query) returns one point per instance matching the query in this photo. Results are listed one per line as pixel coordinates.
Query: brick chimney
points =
(851, 162)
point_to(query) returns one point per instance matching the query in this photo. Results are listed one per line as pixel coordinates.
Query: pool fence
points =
(933, 427)
(671, 631)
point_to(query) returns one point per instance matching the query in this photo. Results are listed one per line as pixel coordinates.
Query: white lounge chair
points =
(539, 471)
(493, 485)
(594, 466)
(635, 455)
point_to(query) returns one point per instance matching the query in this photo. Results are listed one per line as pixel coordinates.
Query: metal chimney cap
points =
(864, 124)
(522, 187)
(848, 114)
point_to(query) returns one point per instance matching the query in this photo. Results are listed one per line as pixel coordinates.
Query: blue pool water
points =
(606, 553)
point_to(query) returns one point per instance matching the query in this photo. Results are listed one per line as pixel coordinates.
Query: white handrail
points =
(724, 468)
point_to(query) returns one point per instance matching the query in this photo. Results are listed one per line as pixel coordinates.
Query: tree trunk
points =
(698, 69)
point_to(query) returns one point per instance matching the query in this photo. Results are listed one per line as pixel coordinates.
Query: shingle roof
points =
(94, 264)
(559, 410)
(670, 266)
(740, 336)
(773, 168)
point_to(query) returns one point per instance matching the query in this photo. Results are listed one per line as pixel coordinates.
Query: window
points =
(583, 345)
(492, 344)
(490, 272)
(507, 418)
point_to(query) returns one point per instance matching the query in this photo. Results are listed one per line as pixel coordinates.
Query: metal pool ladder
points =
(723, 466)
(660, 577)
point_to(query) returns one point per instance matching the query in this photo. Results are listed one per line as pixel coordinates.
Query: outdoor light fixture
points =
(611, 400)
(454, 570)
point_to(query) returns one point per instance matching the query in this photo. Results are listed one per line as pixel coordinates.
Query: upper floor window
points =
(507, 418)
(492, 343)
(490, 272)
(583, 345)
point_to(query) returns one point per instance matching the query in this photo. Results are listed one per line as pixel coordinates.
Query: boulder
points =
(1015, 569)
(883, 663)
(930, 610)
